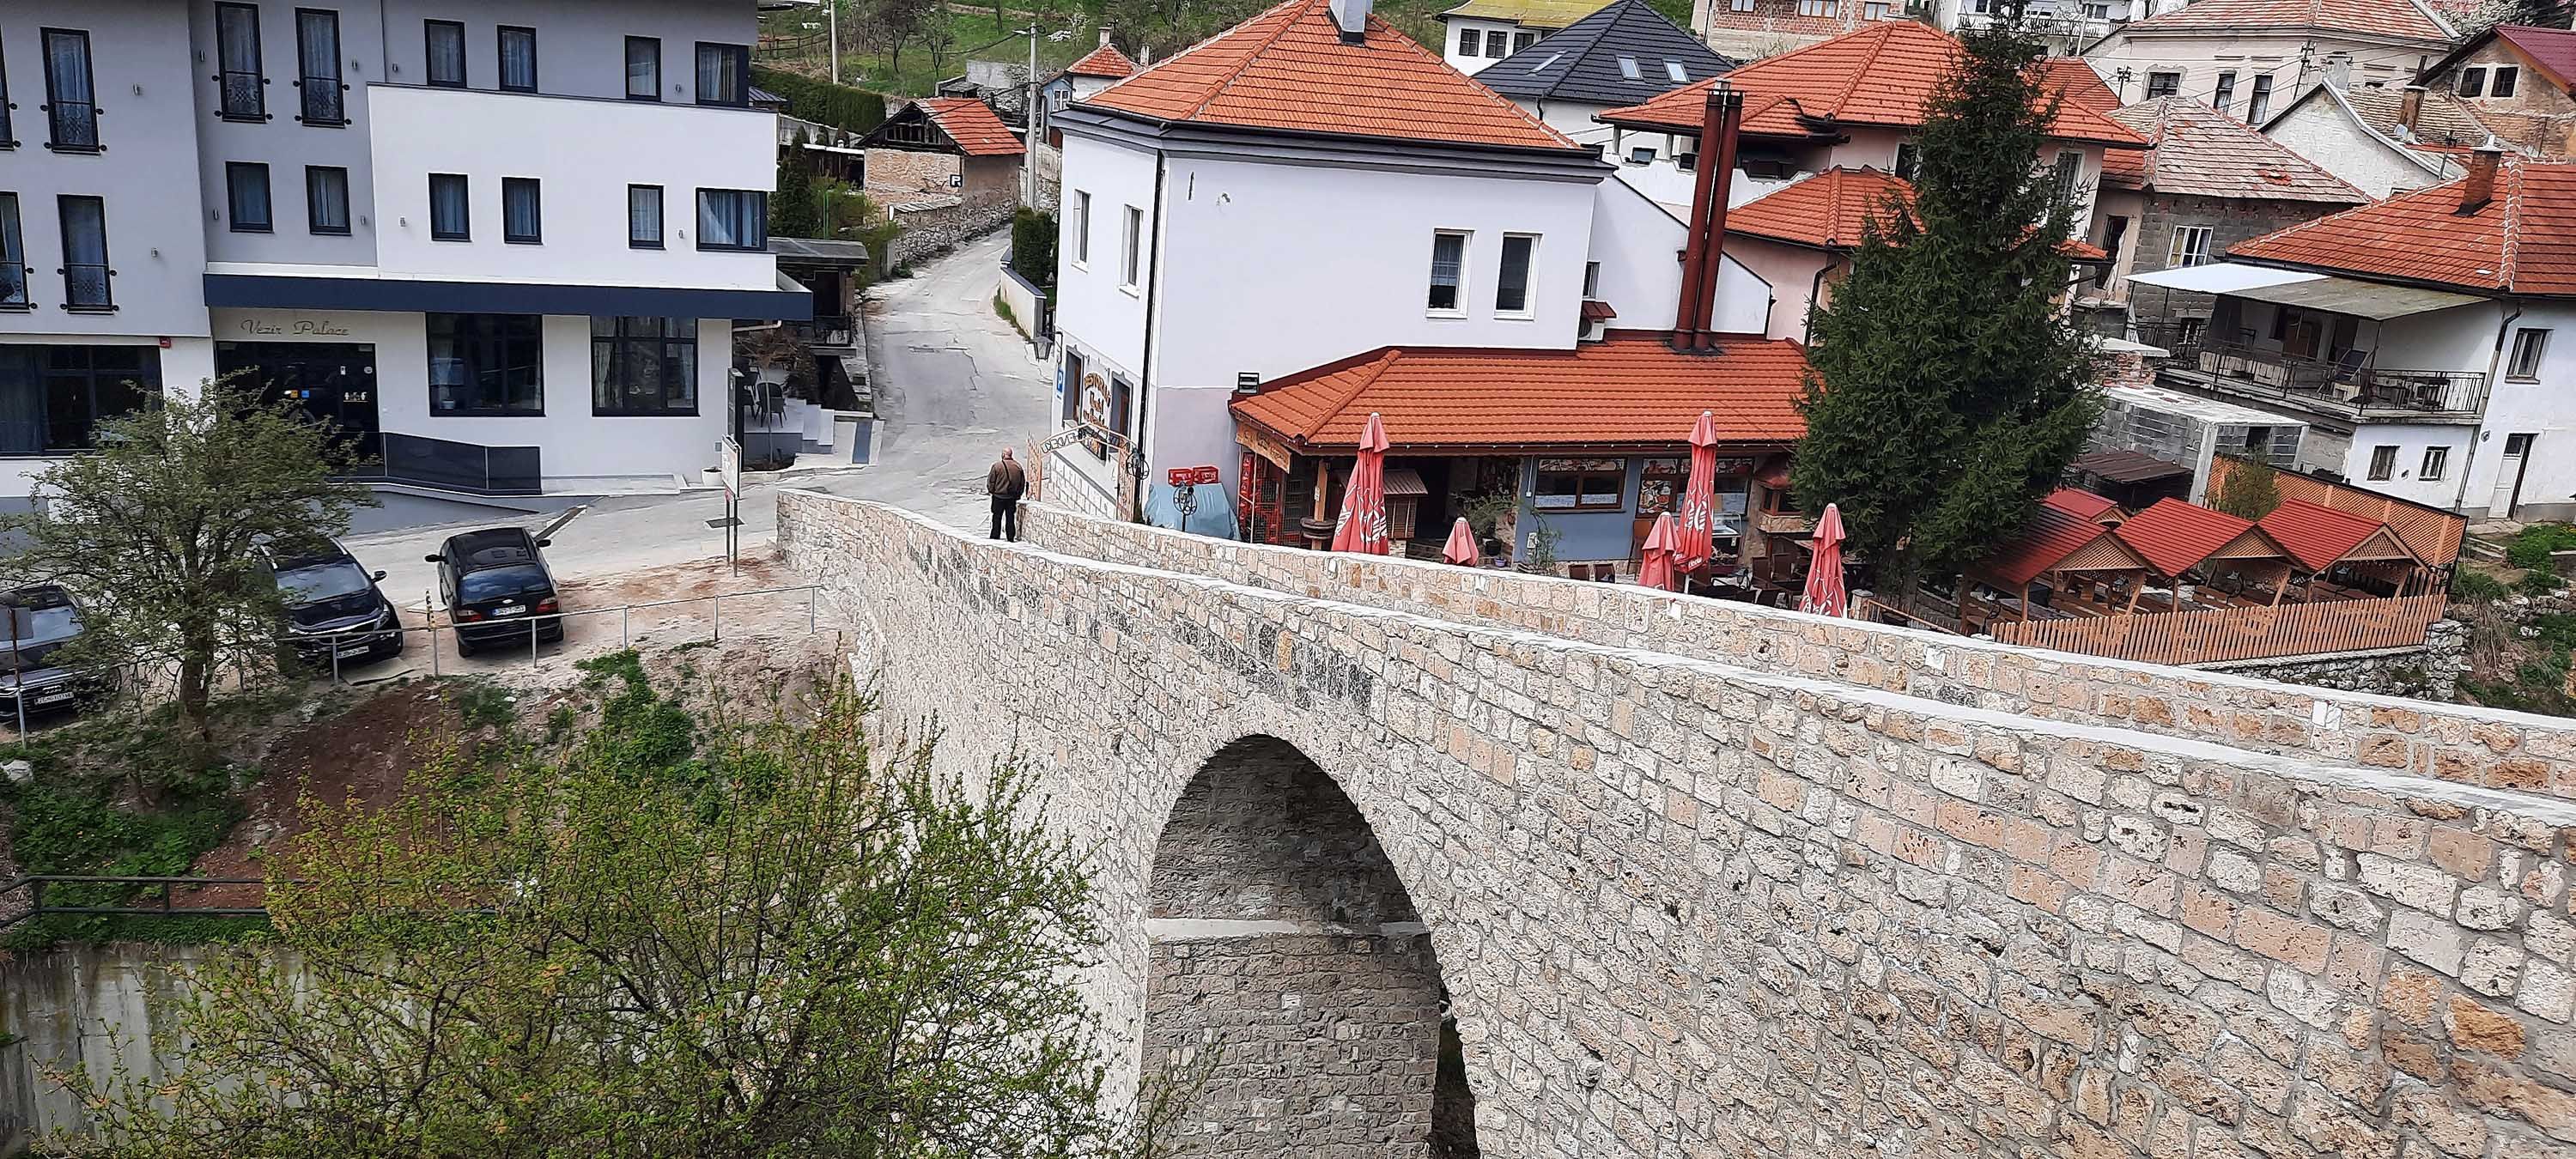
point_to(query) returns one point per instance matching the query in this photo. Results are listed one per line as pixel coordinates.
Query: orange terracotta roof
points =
(2051, 535)
(2203, 152)
(1288, 69)
(2076, 83)
(2318, 536)
(2400, 18)
(2080, 503)
(2522, 241)
(1882, 75)
(971, 124)
(2175, 536)
(1104, 61)
(1832, 209)
(1632, 390)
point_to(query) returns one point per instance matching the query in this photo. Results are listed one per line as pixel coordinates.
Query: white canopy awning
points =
(2313, 291)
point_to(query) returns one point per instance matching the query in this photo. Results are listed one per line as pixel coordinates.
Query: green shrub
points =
(2539, 582)
(823, 102)
(1033, 236)
(2532, 547)
(2477, 587)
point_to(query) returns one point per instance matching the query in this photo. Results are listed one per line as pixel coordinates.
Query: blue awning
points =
(788, 303)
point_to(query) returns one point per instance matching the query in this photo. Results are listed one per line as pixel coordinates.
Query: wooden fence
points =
(2216, 635)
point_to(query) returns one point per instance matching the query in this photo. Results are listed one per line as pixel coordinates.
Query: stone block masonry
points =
(1685, 905)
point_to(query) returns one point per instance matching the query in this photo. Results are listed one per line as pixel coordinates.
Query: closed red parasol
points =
(1699, 499)
(1825, 595)
(1662, 543)
(1461, 548)
(1362, 526)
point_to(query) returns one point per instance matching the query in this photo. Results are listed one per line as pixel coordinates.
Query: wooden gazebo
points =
(2326, 542)
(2182, 540)
(2082, 561)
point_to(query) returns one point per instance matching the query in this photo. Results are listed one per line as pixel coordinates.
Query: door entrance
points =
(2508, 488)
(333, 382)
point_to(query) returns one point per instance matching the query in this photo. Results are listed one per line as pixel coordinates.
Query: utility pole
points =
(833, 20)
(1029, 124)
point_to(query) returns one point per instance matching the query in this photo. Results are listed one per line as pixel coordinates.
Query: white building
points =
(1752, 29)
(1421, 210)
(1480, 32)
(428, 222)
(1622, 55)
(2382, 140)
(2251, 58)
(2414, 338)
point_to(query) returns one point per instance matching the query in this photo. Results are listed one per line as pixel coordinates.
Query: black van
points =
(333, 607)
(495, 582)
(41, 620)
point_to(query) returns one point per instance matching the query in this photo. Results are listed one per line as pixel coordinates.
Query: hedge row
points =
(823, 102)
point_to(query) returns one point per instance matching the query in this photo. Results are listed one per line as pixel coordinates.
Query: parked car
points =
(495, 582)
(334, 609)
(42, 620)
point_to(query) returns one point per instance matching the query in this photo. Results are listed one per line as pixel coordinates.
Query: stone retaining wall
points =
(2498, 749)
(1691, 907)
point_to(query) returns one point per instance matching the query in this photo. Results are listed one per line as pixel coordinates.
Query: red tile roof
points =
(2203, 152)
(971, 124)
(2079, 502)
(1104, 61)
(1832, 209)
(2052, 534)
(2399, 18)
(2553, 49)
(2076, 83)
(1882, 75)
(1289, 69)
(2175, 536)
(2317, 536)
(1633, 390)
(2522, 241)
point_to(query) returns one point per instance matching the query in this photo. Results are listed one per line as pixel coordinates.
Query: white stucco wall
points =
(2201, 56)
(1639, 243)
(2320, 131)
(1471, 65)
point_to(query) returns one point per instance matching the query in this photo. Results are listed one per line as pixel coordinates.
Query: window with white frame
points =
(1081, 226)
(1739, 5)
(2529, 343)
(2501, 82)
(2437, 461)
(1674, 69)
(1641, 154)
(1816, 7)
(1628, 68)
(2190, 247)
(1448, 271)
(1512, 282)
(1130, 247)
(2383, 462)
(1875, 10)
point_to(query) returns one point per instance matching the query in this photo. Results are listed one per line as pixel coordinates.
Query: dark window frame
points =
(7, 140)
(429, 54)
(501, 59)
(2435, 465)
(618, 344)
(474, 351)
(2225, 94)
(2163, 84)
(258, 72)
(661, 215)
(1618, 476)
(313, 201)
(656, 94)
(105, 264)
(234, 171)
(510, 233)
(2473, 82)
(1528, 276)
(464, 230)
(334, 87)
(2503, 79)
(761, 217)
(86, 379)
(2383, 463)
(2258, 99)
(2530, 347)
(55, 104)
(742, 74)
(13, 240)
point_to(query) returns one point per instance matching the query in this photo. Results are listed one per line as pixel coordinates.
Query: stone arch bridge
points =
(1447, 863)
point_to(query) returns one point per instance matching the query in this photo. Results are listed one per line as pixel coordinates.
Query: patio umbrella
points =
(1825, 595)
(1699, 499)
(1661, 544)
(1362, 526)
(1461, 548)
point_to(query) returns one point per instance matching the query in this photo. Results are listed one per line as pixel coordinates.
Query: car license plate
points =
(510, 610)
(53, 696)
(345, 651)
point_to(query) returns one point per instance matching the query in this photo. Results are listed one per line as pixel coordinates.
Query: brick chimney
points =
(2479, 189)
(1704, 245)
(2409, 111)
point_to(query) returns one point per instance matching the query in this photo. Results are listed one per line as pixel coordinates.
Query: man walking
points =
(1005, 483)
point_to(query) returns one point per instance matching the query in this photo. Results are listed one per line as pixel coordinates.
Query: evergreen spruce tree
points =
(1948, 392)
(792, 209)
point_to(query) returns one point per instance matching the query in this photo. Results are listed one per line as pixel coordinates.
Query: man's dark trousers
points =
(1006, 517)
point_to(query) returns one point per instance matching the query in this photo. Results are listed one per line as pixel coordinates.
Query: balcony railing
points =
(13, 285)
(242, 96)
(322, 101)
(74, 124)
(85, 287)
(2350, 387)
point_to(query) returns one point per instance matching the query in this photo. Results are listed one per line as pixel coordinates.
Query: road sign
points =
(729, 465)
(1189, 476)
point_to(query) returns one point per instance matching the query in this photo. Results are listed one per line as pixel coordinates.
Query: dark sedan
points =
(43, 619)
(334, 611)
(496, 584)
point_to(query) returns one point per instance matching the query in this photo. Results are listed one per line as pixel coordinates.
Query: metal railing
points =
(35, 885)
(86, 286)
(2351, 387)
(322, 101)
(74, 124)
(242, 94)
(13, 276)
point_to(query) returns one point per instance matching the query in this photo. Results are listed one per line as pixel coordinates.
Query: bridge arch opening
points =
(1282, 941)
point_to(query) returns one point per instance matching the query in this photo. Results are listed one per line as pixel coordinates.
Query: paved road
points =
(955, 384)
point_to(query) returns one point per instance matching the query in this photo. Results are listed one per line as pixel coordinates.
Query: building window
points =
(85, 272)
(2528, 345)
(1739, 5)
(643, 68)
(724, 74)
(241, 87)
(644, 366)
(2436, 461)
(246, 194)
(1131, 248)
(13, 257)
(445, 52)
(1521, 40)
(2473, 82)
(450, 212)
(1907, 160)
(486, 364)
(2226, 94)
(1497, 45)
(2260, 104)
(2503, 80)
(522, 216)
(317, 66)
(1581, 485)
(6, 140)
(1816, 7)
(1641, 154)
(733, 219)
(1628, 68)
(326, 199)
(1448, 271)
(2163, 84)
(644, 217)
(2383, 462)
(1876, 10)
(1512, 283)
(71, 92)
(52, 397)
(1470, 41)
(2190, 247)
(1081, 226)
(2187, 332)
(1674, 69)
(518, 59)
(1686, 162)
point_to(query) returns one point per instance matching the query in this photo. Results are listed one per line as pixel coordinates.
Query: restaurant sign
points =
(1262, 444)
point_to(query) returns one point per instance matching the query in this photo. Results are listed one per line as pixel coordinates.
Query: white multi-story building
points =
(1479, 32)
(501, 242)
(2250, 58)
(2415, 339)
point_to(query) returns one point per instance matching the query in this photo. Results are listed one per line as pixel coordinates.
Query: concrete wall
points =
(2321, 131)
(1690, 907)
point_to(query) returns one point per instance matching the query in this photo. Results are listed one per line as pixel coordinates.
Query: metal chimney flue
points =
(1704, 245)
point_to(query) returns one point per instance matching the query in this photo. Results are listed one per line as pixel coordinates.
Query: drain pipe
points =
(2495, 363)
(1146, 368)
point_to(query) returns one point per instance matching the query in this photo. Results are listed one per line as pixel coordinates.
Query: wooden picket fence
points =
(2222, 634)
